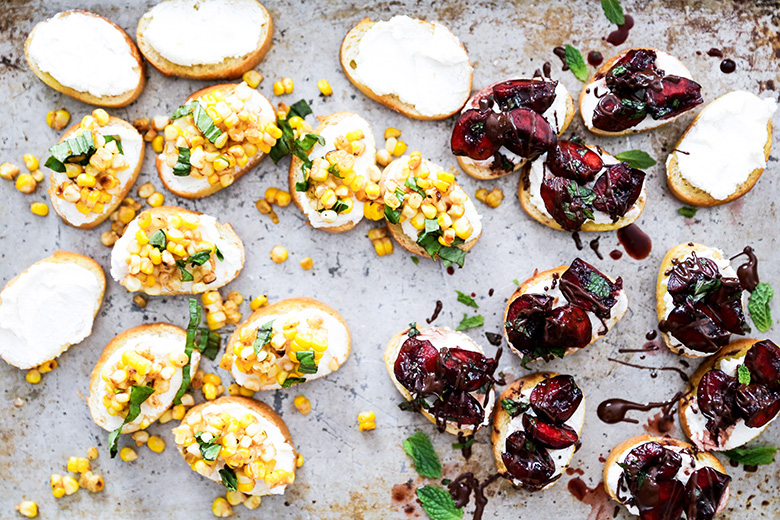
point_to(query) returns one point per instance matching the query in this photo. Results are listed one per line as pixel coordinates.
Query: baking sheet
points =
(349, 474)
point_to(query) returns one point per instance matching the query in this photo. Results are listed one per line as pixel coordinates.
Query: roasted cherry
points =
(763, 361)
(613, 114)
(617, 189)
(715, 397)
(586, 287)
(568, 326)
(549, 435)
(664, 500)
(704, 491)
(538, 95)
(636, 70)
(675, 96)
(569, 203)
(528, 134)
(469, 137)
(458, 406)
(555, 400)
(756, 404)
(693, 276)
(528, 463)
(652, 460)
(466, 369)
(525, 322)
(416, 364)
(574, 161)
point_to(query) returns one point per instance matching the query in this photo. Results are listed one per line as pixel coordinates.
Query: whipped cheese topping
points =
(423, 66)
(50, 307)
(596, 89)
(725, 143)
(338, 343)
(85, 53)
(179, 30)
(537, 175)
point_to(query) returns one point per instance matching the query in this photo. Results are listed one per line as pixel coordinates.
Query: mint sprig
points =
(576, 62)
(420, 449)
(438, 503)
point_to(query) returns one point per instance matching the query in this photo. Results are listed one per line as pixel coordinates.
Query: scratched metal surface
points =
(349, 474)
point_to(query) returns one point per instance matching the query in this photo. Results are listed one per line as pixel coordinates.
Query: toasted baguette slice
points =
(190, 187)
(613, 471)
(221, 235)
(664, 304)
(133, 148)
(86, 40)
(48, 307)
(426, 80)
(331, 127)
(398, 231)
(559, 115)
(726, 152)
(536, 285)
(162, 341)
(588, 99)
(179, 24)
(308, 312)
(520, 391)
(693, 420)
(533, 204)
(277, 436)
(439, 338)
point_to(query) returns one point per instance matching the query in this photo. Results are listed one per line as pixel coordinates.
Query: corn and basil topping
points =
(217, 133)
(92, 161)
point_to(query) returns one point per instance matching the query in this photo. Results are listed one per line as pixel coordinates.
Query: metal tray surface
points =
(347, 473)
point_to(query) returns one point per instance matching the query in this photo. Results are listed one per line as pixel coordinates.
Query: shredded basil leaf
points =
(263, 337)
(182, 167)
(183, 110)
(76, 150)
(465, 299)
(469, 322)
(219, 254)
(210, 450)
(205, 124)
(138, 394)
(514, 408)
(209, 343)
(302, 186)
(192, 331)
(159, 240)
(687, 212)
(307, 363)
(117, 140)
(292, 381)
(229, 479)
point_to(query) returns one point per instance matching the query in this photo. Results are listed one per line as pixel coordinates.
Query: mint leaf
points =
(636, 159)
(743, 375)
(687, 212)
(420, 449)
(598, 285)
(756, 456)
(576, 63)
(469, 322)
(138, 394)
(466, 444)
(513, 408)
(438, 503)
(465, 299)
(758, 305)
(613, 11)
(415, 260)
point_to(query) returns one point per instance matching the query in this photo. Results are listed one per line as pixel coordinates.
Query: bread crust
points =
(391, 354)
(600, 72)
(689, 194)
(166, 173)
(704, 457)
(486, 173)
(290, 305)
(524, 194)
(57, 203)
(524, 287)
(347, 53)
(95, 400)
(66, 257)
(737, 348)
(678, 252)
(229, 68)
(118, 101)
(501, 419)
(298, 197)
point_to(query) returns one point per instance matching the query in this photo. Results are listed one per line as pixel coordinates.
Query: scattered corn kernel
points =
(33, 376)
(383, 246)
(145, 190)
(494, 198)
(39, 208)
(26, 183)
(259, 301)
(383, 157)
(252, 78)
(324, 87)
(109, 238)
(92, 453)
(392, 132)
(278, 254)
(299, 460)
(307, 263)
(127, 454)
(156, 199)
(221, 508)
(156, 444)
(366, 421)
(283, 199)
(37, 175)
(30, 161)
(158, 143)
(288, 85)
(252, 502)
(27, 508)
(92, 482)
(101, 116)
(9, 171)
(58, 119)
(302, 404)
(373, 211)
(399, 148)
(70, 485)
(278, 88)
(140, 437)
(140, 301)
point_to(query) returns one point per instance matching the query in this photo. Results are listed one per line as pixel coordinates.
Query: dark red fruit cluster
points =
(553, 402)
(518, 124)
(450, 375)
(649, 475)
(638, 88)
(724, 400)
(707, 306)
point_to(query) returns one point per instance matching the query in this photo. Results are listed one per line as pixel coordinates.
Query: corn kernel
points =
(383, 246)
(101, 116)
(481, 194)
(27, 508)
(366, 421)
(8, 171)
(252, 78)
(235, 498)
(270, 195)
(156, 199)
(221, 508)
(70, 484)
(252, 502)
(156, 444)
(278, 254)
(399, 148)
(26, 183)
(307, 263)
(92, 453)
(288, 85)
(392, 132)
(376, 233)
(157, 144)
(278, 88)
(126, 215)
(127, 454)
(39, 208)
(390, 145)
(373, 211)
(30, 161)
(324, 87)
(494, 198)
(383, 157)
(33, 376)
(259, 301)
(299, 460)
(58, 119)
(283, 199)
(302, 404)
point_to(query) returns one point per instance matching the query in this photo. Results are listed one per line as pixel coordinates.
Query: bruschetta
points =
(700, 301)
(340, 174)
(427, 212)
(86, 57)
(287, 343)
(240, 442)
(445, 376)
(536, 429)
(578, 187)
(637, 90)
(414, 67)
(662, 477)
(560, 311)
(217, 136)
(48, 307)
(724, 151)
(171, 37)
(170, 250)
(150, 355)
(733, 397)
(508, 123)
(93, 167)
